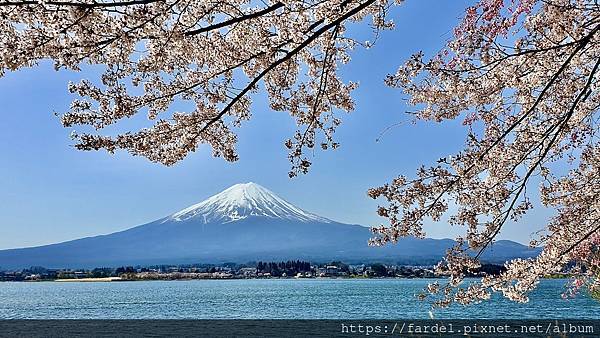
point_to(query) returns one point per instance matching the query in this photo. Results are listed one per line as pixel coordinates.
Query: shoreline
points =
(120, 279)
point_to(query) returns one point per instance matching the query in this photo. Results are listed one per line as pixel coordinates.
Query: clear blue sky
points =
(51, 192)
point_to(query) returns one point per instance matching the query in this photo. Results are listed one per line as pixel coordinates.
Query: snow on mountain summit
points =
(241, 201)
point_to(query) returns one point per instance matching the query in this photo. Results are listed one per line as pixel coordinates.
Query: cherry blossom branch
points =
(581, 44)
(291, 54)
(561, 126)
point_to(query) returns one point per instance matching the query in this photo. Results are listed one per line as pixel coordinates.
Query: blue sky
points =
(51, 192)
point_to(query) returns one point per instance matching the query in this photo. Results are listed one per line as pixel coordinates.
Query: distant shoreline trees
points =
(289, 268)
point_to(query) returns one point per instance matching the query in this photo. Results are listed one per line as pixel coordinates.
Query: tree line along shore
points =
(282, 269)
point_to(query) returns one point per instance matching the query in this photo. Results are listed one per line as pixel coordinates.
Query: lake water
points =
(258, 299)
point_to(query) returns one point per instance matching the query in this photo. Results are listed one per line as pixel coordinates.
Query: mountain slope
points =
(243, 223)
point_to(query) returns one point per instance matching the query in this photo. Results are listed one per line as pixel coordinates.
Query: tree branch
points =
(235, 20)
(293, 52)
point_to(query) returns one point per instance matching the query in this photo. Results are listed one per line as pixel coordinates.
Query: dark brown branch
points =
(322, 86)
(588, 235)
(235, 20)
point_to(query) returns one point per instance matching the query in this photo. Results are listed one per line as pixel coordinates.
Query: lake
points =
(269, 298)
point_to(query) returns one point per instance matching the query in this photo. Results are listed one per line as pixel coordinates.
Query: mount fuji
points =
(242, 201)
(243, 223)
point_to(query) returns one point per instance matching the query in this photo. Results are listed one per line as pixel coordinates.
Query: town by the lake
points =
(287, 269)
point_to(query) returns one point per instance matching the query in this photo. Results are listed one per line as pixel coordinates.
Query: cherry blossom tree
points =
(522, 75)
(210, 54)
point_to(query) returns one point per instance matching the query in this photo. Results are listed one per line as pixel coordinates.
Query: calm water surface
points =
(298, 299)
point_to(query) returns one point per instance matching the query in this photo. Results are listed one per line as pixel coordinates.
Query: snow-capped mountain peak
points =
(241, 201)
